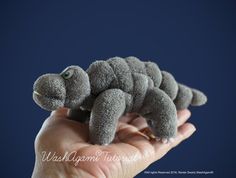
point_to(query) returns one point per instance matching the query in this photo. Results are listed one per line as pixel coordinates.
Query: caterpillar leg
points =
(160, 113)
(107, 109)
(78, 115)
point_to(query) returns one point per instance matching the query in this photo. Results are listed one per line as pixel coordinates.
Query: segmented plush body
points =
(132, 76)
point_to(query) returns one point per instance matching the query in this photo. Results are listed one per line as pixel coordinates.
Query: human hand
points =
(67, 140)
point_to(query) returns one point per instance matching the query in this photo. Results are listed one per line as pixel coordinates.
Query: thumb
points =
(59, 113)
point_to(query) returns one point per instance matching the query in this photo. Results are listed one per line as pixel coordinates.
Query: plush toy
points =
(111, 88)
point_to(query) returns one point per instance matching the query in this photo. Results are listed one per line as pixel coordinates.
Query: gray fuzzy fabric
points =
(169, 85)
(79, 115)
(183, 98)
(108, 106)
(198, 98)
(161, 114)
(108, 89)
(49, 91)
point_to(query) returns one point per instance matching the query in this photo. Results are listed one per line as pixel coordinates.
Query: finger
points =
(128, 117)
(183, 116)
(139, 123)
(59, 113)
(147, 131)
(184, 132)
(126, 131)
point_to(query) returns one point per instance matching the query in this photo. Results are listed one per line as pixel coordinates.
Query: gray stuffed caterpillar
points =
(109, 89)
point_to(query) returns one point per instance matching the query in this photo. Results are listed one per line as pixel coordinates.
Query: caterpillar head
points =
(67, 89)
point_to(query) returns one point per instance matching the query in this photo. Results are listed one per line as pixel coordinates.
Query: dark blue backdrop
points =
(195, 40)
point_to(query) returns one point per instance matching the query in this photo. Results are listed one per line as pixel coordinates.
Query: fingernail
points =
(164, 140)
(187, 114)
(52, 113)
(171, 140)
(192, 130)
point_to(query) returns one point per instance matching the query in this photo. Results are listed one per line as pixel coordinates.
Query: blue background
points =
(194, 40)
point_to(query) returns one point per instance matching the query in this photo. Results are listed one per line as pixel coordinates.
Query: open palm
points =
(132, 150)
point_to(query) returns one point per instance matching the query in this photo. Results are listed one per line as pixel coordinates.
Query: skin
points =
(59, 134)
